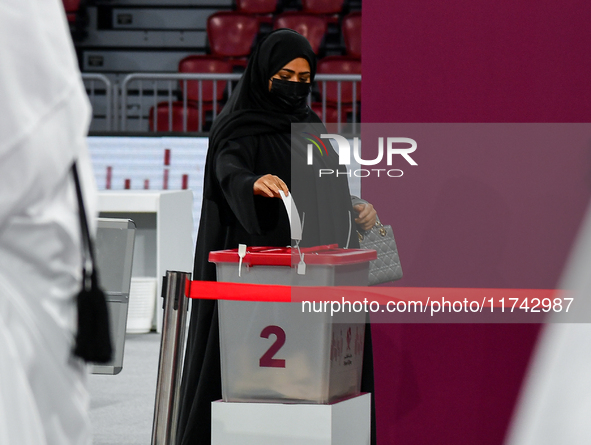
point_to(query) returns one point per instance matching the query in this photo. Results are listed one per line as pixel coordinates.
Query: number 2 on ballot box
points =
(267, 360)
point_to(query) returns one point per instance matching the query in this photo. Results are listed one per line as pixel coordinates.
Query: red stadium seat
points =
(312, 27)
(163, 123)
(351, 28)
(204, 64)
(331, 113)
(262, 9)
(256, 6)
(322, 6)
(71, 7)
(232, 34)
(338, 65)
(177, 116)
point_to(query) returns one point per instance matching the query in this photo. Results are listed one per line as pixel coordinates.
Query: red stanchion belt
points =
(212, 290)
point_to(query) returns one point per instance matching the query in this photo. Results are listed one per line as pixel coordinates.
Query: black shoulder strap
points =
(93, 338)
(87, 246)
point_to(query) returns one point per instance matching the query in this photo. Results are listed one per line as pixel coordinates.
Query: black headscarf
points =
(251, 110)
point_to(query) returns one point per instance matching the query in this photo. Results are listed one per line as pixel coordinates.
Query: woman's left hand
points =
(367, 216)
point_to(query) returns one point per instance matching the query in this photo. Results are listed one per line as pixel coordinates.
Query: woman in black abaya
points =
(249, 160)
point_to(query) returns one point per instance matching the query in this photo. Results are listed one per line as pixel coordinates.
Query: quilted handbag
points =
(387, 266)
(381, 239)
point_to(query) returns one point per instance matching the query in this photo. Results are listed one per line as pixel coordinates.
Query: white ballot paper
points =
(293, 215)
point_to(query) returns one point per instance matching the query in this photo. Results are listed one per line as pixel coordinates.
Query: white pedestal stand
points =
(342, 423)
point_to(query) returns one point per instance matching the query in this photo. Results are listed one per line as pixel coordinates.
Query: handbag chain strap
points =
(378, 225)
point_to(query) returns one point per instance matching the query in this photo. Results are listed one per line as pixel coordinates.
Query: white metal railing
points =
(135, 85)
(170, 80)
(89, 80)
(322, 80)
(143, 85)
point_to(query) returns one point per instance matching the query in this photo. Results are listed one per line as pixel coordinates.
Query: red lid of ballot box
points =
(329, 255)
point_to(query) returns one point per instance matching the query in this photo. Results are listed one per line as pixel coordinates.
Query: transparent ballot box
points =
(278, 352)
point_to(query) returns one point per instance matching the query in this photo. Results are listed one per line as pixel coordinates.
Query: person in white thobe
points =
(44, 117)
(555, 401)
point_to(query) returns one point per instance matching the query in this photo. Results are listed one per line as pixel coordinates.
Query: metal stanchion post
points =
(171, 358)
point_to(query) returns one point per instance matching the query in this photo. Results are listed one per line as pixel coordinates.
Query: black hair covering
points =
(252, 110)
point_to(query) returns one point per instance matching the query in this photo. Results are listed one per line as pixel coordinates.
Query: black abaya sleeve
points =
(238, 165)
(234, 169)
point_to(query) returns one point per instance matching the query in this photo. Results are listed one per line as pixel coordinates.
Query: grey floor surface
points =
(122, 405)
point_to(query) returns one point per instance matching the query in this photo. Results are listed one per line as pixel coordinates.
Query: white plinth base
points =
(342, 423)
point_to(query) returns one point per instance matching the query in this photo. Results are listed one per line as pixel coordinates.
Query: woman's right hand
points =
(269, 186)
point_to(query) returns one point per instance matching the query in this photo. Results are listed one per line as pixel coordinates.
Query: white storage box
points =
(274, 352)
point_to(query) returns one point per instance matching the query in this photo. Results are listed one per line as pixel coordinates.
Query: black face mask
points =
(290, 95)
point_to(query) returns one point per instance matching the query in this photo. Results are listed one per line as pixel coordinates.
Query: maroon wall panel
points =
(461, 61)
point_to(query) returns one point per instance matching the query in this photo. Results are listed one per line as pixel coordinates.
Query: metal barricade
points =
(134, 85)
(89, 80)
(355, 79)
(172, 347)
(170, 79)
